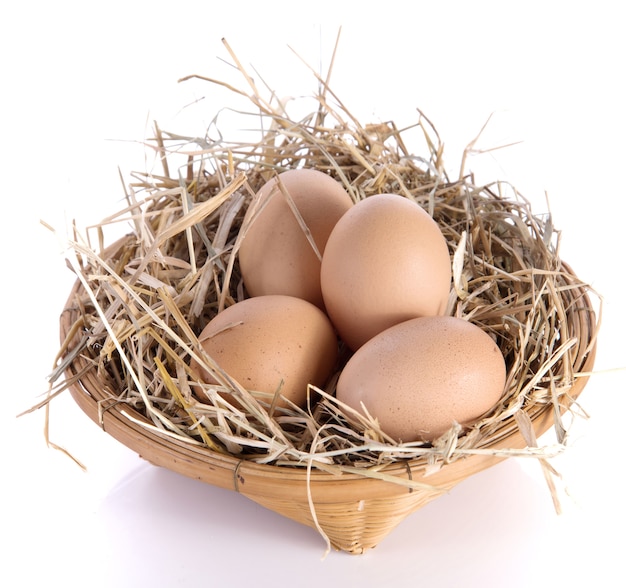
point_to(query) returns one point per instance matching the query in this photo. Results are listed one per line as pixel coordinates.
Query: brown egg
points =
(420, 377)
(275, 256)
(386, 261)
(272, 344)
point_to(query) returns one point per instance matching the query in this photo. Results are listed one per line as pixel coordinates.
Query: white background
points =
(82, 85)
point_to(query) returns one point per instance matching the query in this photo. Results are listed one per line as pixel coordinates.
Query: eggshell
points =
(386, 261)
(272, 343)
(275, 256)
(421, 376)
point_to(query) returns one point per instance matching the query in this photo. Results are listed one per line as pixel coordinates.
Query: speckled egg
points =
(272, 344)
(287, 227)
(386, 261)
(421, 376)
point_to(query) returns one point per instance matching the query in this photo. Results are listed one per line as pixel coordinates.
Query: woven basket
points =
(505, 266)
(354, 512)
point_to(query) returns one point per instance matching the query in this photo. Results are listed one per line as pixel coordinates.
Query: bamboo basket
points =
(127, 371)
(354, 512)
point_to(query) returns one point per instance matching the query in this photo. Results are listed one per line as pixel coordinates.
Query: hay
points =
(142, 301)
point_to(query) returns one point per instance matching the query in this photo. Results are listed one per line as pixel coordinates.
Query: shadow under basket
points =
(354, 512)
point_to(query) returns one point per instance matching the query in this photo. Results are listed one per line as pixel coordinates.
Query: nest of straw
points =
(140, 303)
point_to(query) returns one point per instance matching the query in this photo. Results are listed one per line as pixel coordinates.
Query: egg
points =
(276, 256)
(386, 261)
(271, 344)
(421, 376)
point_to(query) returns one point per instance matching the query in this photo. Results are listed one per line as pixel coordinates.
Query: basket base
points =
(354, 527)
